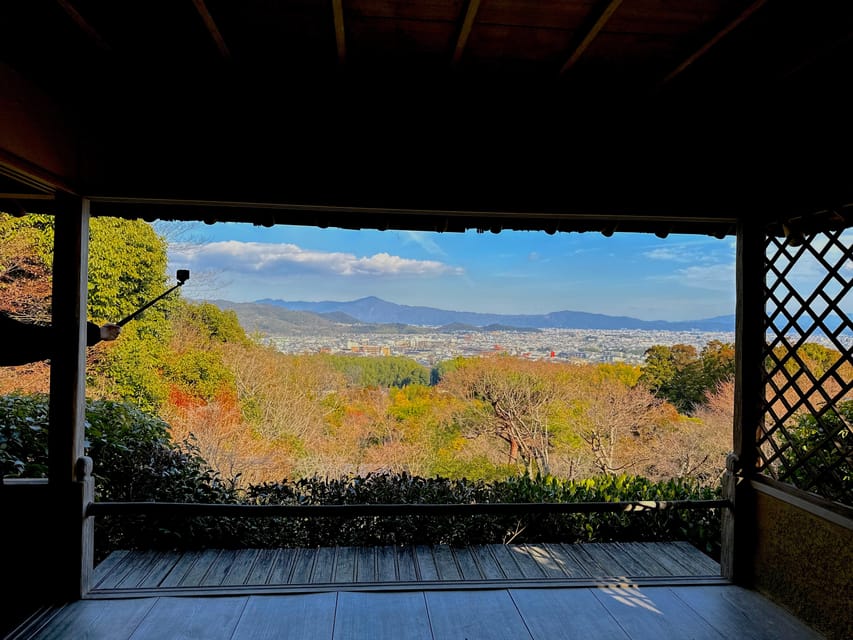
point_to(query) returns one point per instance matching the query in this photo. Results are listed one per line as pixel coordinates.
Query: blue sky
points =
(680, 277)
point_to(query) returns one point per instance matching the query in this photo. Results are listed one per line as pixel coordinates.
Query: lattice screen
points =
(805, 439)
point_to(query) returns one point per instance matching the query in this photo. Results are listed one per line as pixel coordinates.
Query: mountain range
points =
(374, 310)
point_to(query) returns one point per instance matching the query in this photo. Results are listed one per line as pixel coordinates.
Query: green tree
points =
(127, 267)
(676, 374)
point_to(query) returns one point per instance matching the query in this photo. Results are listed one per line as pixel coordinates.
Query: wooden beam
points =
(212, 29)
(701, 51)
(68, 366)
(606, 12)
(749, 343)
(340, 33)
(69, 472)
(823, 52)
(465, 31)
(84, 25)
(38, 147)
(739, 522)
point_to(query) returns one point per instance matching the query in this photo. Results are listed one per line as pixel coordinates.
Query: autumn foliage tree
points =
(513, 399)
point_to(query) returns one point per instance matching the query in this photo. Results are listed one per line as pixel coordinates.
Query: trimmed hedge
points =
(136, 460)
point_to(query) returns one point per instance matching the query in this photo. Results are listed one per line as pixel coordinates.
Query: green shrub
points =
(136, 460)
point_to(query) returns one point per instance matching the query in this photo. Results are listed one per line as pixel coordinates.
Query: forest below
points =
(257, 415)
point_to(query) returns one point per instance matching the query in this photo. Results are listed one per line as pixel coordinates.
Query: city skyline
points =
(681, 277)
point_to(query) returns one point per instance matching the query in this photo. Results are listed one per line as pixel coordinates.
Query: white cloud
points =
(290, 259)
(691, 252)
(713, 277)
(424, 240)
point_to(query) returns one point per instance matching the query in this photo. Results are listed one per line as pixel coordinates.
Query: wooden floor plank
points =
(646, 613)
(529, 566)
(281, 567)
(565, 613)
(262, 566)
(425, 563)
(652, 613)
(475, 615)
(345, 564)
(103, 568)
(664, 558)
(146, 570)
(130, 564)
(324, 565)
(506, 561)
(567, 562)
(165, 563)
(293, 617)
(466, 563)
(303, 565)
(489, 567)
(701, 562)
(200, 567)
(637, 550)
(445, 563)
(382, 616)
(386, 564)
(736, 612)
(176, 574)
(545, 561)
(177, 618)
(241, 567)
(624, 559)
(365, 568)
(136, 577)
(583, 559)
(95, 620)
(610, 566)
(215, 576)
(406, 564)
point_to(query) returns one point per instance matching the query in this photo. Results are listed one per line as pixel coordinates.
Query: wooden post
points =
(739, 522)
(69, 488)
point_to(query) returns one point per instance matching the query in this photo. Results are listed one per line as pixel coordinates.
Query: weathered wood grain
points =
(653, 613)
(292, 617)
(474, 615)
(178, 618)
(381, 616)
(540, 563)
(115, 620)
(736, 612)
(565, 613)
(620, 613)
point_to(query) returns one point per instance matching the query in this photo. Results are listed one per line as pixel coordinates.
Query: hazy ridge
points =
(374, 315)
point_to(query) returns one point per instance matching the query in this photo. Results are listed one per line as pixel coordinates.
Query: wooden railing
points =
(355, 510)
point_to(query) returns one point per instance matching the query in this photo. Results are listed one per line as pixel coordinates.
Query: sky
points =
(681, 277)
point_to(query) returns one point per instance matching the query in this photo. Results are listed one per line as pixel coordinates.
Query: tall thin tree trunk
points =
(513, 451)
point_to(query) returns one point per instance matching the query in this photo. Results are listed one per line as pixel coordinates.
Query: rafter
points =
(607, 11)
(212, 29)
(465, 31)
(83, 24)
(340, 35)
(701, 51)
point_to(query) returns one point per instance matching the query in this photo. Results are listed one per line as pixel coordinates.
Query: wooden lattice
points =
(805, 438)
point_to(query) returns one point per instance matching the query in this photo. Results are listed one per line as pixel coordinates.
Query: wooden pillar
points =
(738, 525)
(70, 489)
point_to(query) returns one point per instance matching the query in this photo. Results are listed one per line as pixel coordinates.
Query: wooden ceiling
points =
(666, 115)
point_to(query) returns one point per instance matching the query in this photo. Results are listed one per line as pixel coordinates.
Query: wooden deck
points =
(611, 613)
(620, 591)
(437, 567)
